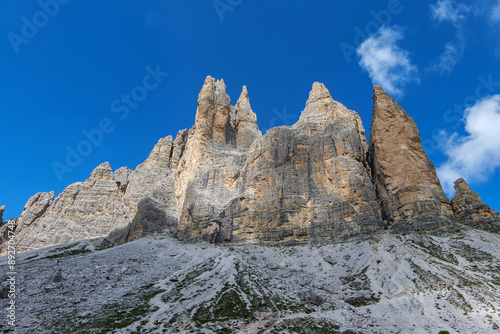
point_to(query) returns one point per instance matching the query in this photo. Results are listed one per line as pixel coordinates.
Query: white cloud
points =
(495, 13)
(453, 52)
(446, 10)
(386, 63)
(456, 14)
(153, 19)
(476, 155)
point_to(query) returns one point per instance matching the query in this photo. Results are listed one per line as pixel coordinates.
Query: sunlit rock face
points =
(469, 208)
(224, 181)
(408, 188)
(310, 181)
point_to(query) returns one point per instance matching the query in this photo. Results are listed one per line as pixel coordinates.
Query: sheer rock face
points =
(150, 218)
(309, 181)
(104, 202)
(223, 181)
(2, 209)
(406, 181)
(469, 208)
(83, 210)
(34, 209)
(153, 178)
(3, 228)
(245, 122)
(213, 160)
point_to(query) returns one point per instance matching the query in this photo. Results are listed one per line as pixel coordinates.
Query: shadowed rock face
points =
(406, 181)
(2, 209)
(3, 228)
(223, 181)
(149, 219)
(469, 208)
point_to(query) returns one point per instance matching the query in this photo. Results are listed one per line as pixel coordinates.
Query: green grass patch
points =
(120, 314)
(71, 252)
(104, 244)
(492, 229)
(305, 326)
(438, 252)
(472, 254)
(362, 301)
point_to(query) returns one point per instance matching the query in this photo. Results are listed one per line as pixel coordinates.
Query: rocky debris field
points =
(413, 283)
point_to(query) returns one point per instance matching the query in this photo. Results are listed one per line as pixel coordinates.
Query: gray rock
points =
(469, 208)
(58, 277)
(356, 301)
(83, 210)
(4, 292)
(2, 209)
(347, 279)
(356, 285)
(328, 259)
(8, 228)
(149, 220)
(309, 181)
(223, 181)
(35, 208)
(245, 122)
(310, 297)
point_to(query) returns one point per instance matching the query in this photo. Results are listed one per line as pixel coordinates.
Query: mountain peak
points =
(318, 92)
(223, 181)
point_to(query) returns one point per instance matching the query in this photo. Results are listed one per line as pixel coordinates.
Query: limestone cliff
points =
(470, 209)
(309, 181)
(408, 188)
(83, 210)
(149, 219)
(214, 156)
(224, 181)
(2, 209)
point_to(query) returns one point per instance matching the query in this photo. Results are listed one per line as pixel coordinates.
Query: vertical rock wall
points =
(408, 188)
(223, 181)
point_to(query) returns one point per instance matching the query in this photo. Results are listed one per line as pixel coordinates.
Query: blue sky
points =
(126, 73)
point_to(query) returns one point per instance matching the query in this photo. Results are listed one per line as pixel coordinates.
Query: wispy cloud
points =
(446, 10)
(456, 14)
(495, 13)
(386, 63)
(153, 18)
(453, 52)
(476, 155)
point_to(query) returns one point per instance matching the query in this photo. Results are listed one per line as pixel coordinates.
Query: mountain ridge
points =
(223, 181)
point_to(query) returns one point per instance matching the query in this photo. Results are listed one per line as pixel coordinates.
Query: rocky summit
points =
(223, 181)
